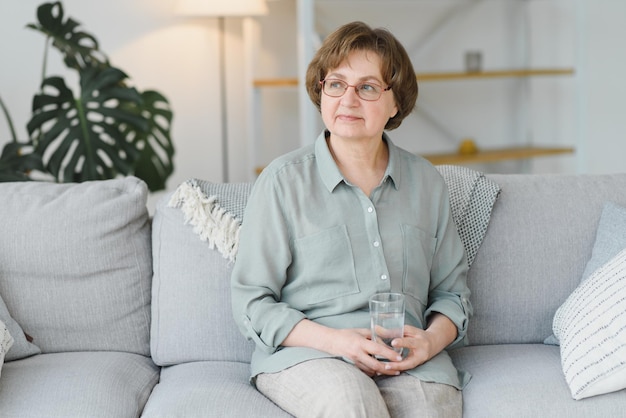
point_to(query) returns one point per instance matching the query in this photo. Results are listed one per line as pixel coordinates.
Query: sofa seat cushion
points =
(525, 380)
(208, 389)
(82, 384)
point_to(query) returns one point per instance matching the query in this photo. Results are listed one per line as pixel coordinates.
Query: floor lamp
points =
(221, 9)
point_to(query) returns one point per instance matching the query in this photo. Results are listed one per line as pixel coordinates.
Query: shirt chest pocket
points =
(324, 266)
(419, 248)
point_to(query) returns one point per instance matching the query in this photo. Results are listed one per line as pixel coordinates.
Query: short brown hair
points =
(397, 70)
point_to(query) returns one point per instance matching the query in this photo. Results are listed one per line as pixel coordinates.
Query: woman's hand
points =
(422, 345)
(354, 344)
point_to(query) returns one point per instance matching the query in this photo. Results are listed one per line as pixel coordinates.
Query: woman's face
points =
(349, 116)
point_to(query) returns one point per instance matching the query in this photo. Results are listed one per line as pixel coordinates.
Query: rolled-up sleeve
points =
(448, 293)
(260, 269)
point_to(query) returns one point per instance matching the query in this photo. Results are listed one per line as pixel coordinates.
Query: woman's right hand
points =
(353, 344)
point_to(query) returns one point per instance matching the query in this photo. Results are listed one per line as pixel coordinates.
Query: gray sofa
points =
(130, 316)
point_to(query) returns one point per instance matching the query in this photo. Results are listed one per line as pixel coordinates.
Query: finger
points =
(383, 351)
(364, 332)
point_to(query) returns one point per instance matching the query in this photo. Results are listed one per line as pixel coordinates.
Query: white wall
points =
(178, 57)
(157, 49)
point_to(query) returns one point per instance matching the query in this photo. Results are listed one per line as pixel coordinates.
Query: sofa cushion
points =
(610, 240)
(591, 326)
(76, 264)
(191, 312)
(208, 389)
(85, 384)
(21, 346)
(539, 239)
(524, 380)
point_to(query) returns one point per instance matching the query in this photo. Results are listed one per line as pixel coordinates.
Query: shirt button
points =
(376, 244)
(370, 209)
(383, 277)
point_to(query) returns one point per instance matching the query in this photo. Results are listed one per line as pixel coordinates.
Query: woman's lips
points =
(348, 118)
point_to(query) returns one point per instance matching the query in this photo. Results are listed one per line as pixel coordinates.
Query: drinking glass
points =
(387, 318)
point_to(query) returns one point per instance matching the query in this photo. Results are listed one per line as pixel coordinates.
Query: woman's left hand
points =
(417, 345)
(422, 345)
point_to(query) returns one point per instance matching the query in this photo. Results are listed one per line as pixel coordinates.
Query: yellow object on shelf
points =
(468, 146)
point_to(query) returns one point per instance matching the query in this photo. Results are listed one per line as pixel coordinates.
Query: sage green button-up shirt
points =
(313, 246)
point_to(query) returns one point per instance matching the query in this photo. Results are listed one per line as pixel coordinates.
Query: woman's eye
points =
(370, 88)
(336, 85)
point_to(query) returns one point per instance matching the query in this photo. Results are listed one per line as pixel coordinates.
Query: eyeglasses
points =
(366, 91)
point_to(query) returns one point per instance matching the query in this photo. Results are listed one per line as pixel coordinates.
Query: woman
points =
(329, 225)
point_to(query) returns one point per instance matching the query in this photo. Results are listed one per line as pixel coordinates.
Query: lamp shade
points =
(221, 7)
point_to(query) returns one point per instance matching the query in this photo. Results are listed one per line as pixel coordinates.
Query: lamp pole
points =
(223, 101)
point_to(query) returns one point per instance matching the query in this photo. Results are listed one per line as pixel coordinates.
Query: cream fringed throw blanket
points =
(215, 210)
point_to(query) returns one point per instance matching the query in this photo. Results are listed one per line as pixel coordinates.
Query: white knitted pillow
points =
(6, 341)
(591, 326)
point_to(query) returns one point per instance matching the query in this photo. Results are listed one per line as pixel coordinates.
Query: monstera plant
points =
(107, 129)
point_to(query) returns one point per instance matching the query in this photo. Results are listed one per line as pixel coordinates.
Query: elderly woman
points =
(331, 224)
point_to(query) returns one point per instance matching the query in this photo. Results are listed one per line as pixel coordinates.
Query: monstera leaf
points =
(16, 164)
(90, 137)
(155, 162)
(79, 48)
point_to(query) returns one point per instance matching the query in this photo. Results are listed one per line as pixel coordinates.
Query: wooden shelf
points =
(488, 156)
(442, 76)
(495, 74)
(494, 155)
(275, 82)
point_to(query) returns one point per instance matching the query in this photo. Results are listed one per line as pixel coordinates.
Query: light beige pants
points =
(334, 388)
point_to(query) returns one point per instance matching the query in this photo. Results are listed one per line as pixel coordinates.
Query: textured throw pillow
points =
(591, 326)
(22, 348)
(6, 341)
(472, 196)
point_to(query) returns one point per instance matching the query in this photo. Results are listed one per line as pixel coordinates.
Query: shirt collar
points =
(330, 173)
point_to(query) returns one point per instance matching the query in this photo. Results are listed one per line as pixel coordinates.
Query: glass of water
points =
(387, 318)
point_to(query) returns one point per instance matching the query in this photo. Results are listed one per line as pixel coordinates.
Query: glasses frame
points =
(356, 90)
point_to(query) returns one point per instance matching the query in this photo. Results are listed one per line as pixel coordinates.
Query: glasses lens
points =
(335, 88)
(368, 91)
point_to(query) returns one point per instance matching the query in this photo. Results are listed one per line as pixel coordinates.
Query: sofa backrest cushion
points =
(76, 265)
(538, 241)
(192, 318)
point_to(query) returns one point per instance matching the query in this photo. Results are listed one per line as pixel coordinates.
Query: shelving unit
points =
(306, 17)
